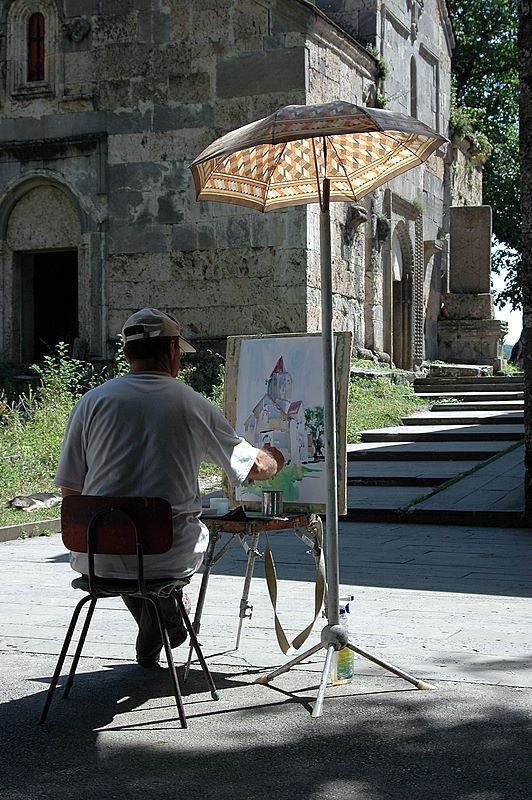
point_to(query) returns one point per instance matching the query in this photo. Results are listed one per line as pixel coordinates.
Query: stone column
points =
(467, 330)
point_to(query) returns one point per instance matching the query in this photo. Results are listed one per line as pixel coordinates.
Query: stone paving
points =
(450, 605)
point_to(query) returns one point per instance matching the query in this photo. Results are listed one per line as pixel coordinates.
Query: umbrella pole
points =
(329, 404)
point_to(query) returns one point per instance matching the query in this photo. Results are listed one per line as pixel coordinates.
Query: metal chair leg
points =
(61, 659)
(79, 648)
(195, 644)
(170, 660)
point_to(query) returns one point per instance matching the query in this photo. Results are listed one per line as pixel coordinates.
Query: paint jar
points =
(272, 503)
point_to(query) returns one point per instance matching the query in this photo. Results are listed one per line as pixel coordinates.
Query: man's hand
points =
(267, 463)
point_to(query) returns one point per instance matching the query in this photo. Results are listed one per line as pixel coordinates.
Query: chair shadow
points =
(120, 688)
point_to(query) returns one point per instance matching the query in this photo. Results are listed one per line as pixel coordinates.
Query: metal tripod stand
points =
(333, 636)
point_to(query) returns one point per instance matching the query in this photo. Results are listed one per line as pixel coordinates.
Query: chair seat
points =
(124, 526)
(107, 587)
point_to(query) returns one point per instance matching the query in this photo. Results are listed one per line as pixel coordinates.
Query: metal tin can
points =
(272, 503)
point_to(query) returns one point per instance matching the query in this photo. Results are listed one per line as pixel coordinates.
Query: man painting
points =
(146, 434)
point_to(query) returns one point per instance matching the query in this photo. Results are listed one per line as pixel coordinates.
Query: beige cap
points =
(149, 322)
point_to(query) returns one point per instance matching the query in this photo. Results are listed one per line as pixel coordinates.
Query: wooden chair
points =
(136, 526)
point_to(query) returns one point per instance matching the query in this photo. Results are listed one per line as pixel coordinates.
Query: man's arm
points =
(268, 462)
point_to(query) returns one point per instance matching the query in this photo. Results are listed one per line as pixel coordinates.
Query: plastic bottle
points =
(342, 666)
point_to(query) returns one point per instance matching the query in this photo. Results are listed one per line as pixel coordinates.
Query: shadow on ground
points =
(259, 742)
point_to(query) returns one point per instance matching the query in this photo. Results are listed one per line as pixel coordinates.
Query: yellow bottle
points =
(342, 666)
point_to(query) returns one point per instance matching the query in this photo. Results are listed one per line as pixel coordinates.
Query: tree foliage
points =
(486, 80)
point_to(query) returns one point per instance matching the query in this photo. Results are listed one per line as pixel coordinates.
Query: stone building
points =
(104, 105)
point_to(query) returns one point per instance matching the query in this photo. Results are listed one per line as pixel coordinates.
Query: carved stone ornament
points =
(383, 228)
(356, 215)
(76, 29)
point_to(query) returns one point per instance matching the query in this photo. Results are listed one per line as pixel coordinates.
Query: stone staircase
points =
(391, 470)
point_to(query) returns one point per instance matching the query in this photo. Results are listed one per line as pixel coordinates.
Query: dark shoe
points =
(178, 636)
(148, 663)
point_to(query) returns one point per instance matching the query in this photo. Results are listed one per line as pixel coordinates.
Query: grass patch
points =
(378, 404)
(32, 424)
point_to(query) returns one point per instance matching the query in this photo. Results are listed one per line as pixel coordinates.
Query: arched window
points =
(36, 47)
(413, 87)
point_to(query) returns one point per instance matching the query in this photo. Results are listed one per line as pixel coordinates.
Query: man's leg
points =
(149, 642)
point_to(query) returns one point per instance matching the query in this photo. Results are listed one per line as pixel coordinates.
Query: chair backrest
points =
(117, 525)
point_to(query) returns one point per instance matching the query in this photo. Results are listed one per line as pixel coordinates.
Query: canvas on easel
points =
(274, 396)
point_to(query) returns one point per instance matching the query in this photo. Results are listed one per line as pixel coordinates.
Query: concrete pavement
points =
(450, 605)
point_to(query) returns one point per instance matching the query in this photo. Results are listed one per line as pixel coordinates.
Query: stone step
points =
(404, 473)
(464, 418)
(490, 405)
(424, 481)
(442, 433)
(474, 397)
(421, 385)
(467, 381)
(383, 497)
(425, 451)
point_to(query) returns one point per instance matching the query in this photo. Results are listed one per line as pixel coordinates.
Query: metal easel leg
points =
(318, 707)
(280, 670)
(196, 622)
(385, 665)
(246, 609)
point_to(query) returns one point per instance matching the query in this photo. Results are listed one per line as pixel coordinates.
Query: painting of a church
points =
(279, 421)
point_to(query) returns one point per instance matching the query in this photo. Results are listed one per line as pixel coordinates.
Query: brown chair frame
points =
(136, 526)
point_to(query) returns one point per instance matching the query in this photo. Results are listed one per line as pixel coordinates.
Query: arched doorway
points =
(41, 306)
(402, 296)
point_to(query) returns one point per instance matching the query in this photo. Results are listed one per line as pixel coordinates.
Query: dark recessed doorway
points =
(49, 302)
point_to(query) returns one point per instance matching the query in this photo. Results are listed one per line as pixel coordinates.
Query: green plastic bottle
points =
(342, 668)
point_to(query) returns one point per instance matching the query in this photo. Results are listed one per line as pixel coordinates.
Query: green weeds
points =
(32, 424)
(378, 404)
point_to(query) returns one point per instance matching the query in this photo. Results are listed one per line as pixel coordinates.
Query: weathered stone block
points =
(110, 30)
(194, 115)
(470, 254)
(136, 177)
(121, 60)
(206, 236)
(232, 232)
(471, 341)
(260, 73)
(154, 25)
(79, 8)
(250, 21)
(467, 306)
(192, 88)
(170, 209)
(184, 237)
(125, 205)
(79, 68)
(149, 91)
(137, 239)
(113, 95)
(143, 267)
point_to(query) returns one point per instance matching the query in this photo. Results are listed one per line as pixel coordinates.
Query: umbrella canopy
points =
(281, 160)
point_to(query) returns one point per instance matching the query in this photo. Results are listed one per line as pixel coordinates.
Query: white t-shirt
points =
(145, 434)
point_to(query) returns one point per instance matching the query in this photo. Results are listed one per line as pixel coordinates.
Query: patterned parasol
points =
(275, 161)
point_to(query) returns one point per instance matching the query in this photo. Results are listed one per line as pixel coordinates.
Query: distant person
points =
(146, 434)
(517, 354)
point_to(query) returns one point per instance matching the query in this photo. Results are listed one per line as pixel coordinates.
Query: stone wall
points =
(135, 89)
(466, 176)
